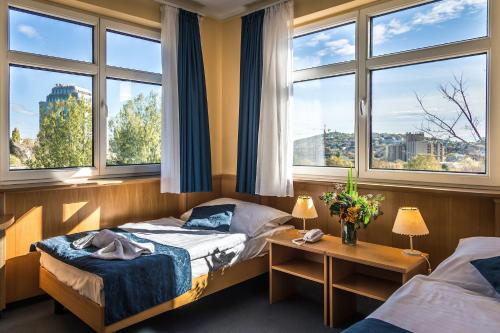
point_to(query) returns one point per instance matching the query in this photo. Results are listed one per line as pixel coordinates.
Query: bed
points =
(217, 260)
(454, 298)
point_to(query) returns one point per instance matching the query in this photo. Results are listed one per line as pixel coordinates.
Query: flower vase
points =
(349, 236)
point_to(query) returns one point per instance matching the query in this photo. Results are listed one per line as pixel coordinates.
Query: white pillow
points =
(458, 270)
(249, 218)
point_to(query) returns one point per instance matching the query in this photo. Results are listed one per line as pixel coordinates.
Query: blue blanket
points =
(130, 286)
(372, 325)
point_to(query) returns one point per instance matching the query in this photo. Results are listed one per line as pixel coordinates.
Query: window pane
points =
(134, 123)
(133, 52)
(40, 34)
(50, 119)
(325, 47)
(324, 122)
(439, 22)
(431, 116)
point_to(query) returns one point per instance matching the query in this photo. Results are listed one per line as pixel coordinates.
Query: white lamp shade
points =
(409, 222)
(304, 208)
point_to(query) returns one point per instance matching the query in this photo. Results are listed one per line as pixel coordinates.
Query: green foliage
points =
(350, 206)
(424, 162)
(135, 132)
(16, 135)
(65, 136)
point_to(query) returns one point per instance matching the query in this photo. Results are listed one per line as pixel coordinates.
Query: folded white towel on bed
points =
(113, 246)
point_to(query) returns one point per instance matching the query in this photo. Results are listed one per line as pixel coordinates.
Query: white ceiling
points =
(223, 9)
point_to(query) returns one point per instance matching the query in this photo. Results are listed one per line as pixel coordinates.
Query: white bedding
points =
(426, 305)
(209, 251)
(455, 298)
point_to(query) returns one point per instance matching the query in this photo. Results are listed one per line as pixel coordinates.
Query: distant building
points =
(417, 144)
(62, 92)
(396, 152)
(309, 151)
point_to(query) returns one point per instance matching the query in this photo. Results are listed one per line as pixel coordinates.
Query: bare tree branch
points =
(454, 92)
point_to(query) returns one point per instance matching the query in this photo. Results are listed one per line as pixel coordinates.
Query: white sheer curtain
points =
(275, 152)
(170, 140)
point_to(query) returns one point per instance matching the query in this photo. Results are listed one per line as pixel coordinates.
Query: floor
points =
(240, 309)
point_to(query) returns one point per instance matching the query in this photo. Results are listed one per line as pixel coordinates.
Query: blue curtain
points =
(250, 92)
(195, 159)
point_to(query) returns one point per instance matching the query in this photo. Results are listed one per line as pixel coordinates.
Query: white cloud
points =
(382, 32)
(341, 47)
(447, 10)
(318, 38)
(440, 12)
(28, 31)
(21, 109)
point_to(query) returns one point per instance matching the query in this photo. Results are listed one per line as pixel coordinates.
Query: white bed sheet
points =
(427, 305)
(209, 251)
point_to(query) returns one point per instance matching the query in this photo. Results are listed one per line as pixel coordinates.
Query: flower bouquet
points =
(354, 210)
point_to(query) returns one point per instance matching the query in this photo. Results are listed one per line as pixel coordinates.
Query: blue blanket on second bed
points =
(372, 325)
(130, 286)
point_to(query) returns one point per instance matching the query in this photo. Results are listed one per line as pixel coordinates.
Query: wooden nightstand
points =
(370, 270)
(287, 260)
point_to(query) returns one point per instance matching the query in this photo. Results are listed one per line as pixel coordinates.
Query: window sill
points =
(79, 183)
(399, 186)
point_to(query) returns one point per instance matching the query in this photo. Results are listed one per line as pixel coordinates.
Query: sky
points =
(42, 35)
(394, 106)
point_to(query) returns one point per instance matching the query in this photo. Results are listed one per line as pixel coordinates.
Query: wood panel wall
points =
(47, 212)
(43, 213)
(449, 216)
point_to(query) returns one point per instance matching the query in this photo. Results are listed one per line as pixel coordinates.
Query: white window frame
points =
(365, 64)
(99, 72)
(113, 72)
(323, 72)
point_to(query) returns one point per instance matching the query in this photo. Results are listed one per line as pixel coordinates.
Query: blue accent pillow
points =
(490, 270)
(216, 217)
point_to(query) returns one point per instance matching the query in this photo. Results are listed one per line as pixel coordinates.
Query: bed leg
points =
(59, 308)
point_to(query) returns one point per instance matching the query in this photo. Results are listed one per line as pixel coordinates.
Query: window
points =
(41, 34)
(434, 23)
(50, 119)
(132, 52)
(132, 81)
(325, 47)
(324, 122)
(81, 95)
(134, 123)
(409, 99)
(430, 116)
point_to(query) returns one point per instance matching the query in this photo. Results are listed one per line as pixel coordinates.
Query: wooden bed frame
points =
(93, 314)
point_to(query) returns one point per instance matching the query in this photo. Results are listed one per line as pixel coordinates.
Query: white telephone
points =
(311, 236)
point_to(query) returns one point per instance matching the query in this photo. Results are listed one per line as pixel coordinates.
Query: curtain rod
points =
(263, 7)
(171, 4)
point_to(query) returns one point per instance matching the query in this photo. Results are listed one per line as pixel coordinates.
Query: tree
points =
(424, 162)
(135, 132)
(339, 161)
(454, 92)
(65, 136)
(16, 135)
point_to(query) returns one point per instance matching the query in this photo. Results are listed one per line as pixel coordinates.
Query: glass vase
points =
(349, 236)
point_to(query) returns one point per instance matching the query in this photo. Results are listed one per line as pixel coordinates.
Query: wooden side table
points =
(288, 261)
(5, 222)
(369, 270)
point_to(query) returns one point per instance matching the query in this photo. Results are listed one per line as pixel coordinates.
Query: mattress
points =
(209, 251)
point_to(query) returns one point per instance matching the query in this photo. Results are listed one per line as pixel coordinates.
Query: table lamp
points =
(409, 222)
(304, 209)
